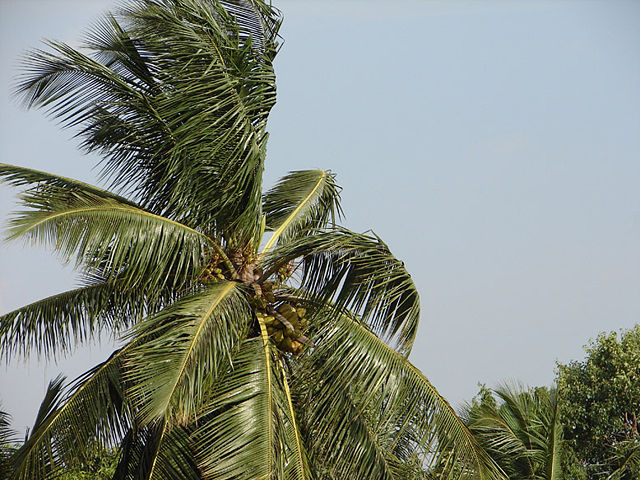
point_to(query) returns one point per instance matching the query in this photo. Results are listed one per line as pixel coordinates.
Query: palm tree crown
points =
(259, 339)
(522, 433)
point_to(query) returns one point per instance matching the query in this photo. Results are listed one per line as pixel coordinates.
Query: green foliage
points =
(520, 430)
(286, 363)
(601, 405)
(7, 444)
(99, 464)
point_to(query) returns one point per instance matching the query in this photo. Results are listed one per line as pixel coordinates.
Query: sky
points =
(494, 146)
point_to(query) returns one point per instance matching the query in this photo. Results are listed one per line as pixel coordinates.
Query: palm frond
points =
(295, 459)
(628, 454)
(58, 323)
(358, 272)
(176, 98)
(21, 176)
(243, 438)
(183, 349)
(7, 435)
(552, 437)
(402, 403)
(348, 446)
(8, 440)
(117, 240)
(90, 411)
(301, 203)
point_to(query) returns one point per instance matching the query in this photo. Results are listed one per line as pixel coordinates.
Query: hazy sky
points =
(495, 146)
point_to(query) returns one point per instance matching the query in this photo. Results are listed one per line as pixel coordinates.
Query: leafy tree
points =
(520, 430)
(601, 406)
(259, 339)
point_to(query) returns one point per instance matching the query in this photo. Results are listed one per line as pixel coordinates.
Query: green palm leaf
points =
(523, 434)
(183, 349)
(142, 102)
(243, 438)
(56, 324)
(91, 411)
(8, 439)
(358, 272)
(349, 357)
(347, 446)
(301, 203)
(297, 462)
(20, 176)
(157, 451)
(114, 239)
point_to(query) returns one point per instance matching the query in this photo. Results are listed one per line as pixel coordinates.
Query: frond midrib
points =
(287, 392)
(292, 216)
(219, 298)
(107, 208)
(68, 402)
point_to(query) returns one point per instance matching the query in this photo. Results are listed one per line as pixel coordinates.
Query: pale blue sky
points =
(495, 146)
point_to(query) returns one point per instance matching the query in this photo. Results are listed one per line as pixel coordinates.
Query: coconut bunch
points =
(215, 269)
(285, 321)
(285, 325)
(211, 272)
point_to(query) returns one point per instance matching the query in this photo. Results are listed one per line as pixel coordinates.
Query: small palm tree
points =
(259, 339)
(7, 444)
(522, 432)
(626, 458)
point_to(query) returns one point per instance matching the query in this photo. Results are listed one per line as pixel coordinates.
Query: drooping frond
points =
(183, 350)
(392, 399)
(301, 203)
(243, 438)
(7, 435)
(346, 446)
(117, 240)
(20, 176)
(91, 411)
(176, 98)
(56, 324)
(552, 436)
(358, 272)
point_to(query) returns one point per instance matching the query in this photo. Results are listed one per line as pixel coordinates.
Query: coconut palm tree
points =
(522, 432)
(258, 338)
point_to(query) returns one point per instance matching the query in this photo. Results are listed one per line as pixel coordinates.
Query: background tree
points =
(520, 429)
(7, 443)
(243, 355)
(601, 405)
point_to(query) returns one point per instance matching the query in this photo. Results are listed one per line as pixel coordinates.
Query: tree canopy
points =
(601, 406)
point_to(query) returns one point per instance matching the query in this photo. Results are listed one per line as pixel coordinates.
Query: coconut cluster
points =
(285, 321)
(285, 325)
(215, 270)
